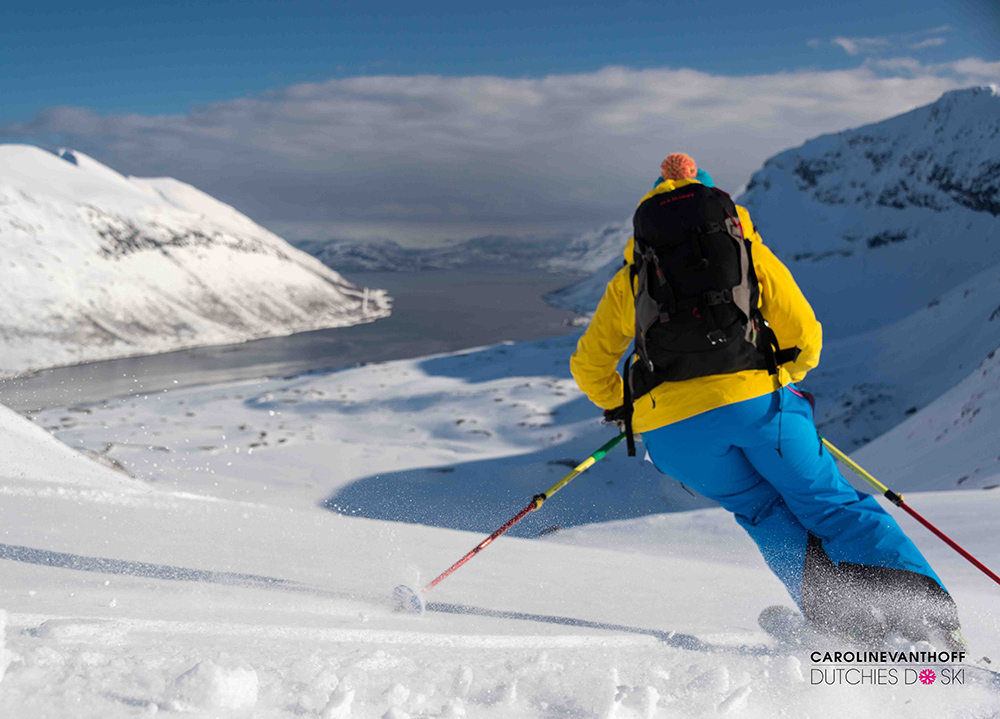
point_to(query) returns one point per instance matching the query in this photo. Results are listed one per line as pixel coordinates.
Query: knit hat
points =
(678, 166)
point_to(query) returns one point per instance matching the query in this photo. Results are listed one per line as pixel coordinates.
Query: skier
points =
(722, 333)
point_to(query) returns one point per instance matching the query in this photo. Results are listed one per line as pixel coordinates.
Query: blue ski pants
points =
(762, 459)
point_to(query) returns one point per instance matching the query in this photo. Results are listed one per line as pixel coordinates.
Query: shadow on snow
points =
(480, 495)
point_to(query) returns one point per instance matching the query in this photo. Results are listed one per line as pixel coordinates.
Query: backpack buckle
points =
(719, 298)
(716, 337)
(735, 228)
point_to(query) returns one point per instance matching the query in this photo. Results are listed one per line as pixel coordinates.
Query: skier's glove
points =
(616, 416)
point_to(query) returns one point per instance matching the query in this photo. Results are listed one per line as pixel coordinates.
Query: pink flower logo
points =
(927, 676)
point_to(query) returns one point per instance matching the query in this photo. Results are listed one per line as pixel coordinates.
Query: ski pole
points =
(407, 599)
(897, 499)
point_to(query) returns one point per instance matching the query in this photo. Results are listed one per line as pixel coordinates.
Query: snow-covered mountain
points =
(875, 222)
(99, 265)
(571, 255)
(592, 250)
(582, 297)
(375, 256)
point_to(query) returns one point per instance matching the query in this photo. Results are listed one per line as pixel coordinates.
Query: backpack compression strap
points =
(627, 402)
(773, 354)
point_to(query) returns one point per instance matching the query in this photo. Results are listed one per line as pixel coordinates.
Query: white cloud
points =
(854, 46)
(929, 42)
(859, 45)
(424, 158)
(988, 71)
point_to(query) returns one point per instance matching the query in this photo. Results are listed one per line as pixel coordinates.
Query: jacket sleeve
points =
(594, 364)
(787, 311)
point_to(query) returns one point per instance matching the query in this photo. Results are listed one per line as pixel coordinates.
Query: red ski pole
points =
(406, 599)
(897, 499)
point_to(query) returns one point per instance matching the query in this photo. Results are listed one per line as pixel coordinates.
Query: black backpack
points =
(696, 295)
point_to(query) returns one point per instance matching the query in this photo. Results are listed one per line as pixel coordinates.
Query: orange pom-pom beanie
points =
(678, 166)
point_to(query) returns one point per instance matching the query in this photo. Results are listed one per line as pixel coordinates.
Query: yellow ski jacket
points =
(612, 329)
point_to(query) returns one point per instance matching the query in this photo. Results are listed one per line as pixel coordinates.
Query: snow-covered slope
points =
(952, 443)
(125, 599)
(869, 383)
(582, 297)
(99, 265)
(373, 256)
(29, 454)
(483, 428)
(875, 221)
(500, 403)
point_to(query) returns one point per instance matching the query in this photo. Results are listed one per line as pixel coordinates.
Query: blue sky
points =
(302, 92)
(167, 56)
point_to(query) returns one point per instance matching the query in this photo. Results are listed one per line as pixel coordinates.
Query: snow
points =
(953, 442)
(590, 251)
(5, 658)
(99, 265)
(301, 648)
(870, 383)
(118, 587)
(206, 685)
(399, 434)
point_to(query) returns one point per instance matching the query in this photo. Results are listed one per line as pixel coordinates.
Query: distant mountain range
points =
(390, 256)
(562, 254)
(98, 265)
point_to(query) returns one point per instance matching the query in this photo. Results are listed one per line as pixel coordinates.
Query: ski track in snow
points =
(83, 627)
